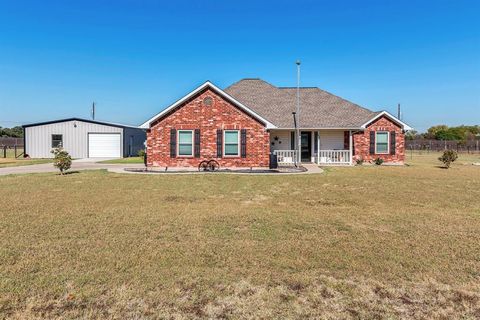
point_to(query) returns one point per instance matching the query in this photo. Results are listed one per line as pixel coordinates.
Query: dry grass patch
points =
(363, 242)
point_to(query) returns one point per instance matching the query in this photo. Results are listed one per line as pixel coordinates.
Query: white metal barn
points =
(83, 139)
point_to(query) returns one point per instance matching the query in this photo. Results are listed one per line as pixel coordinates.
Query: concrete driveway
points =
(79, 164)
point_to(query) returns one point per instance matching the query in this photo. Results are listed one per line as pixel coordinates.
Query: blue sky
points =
(134, 58)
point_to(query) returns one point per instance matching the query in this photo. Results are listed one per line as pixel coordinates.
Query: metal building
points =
(83, 139)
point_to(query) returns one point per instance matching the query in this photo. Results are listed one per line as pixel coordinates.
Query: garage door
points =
(104, 145)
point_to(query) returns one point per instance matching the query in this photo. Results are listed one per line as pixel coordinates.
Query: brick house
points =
(243, 124)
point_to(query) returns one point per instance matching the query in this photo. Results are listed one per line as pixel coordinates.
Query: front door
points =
(306, 146)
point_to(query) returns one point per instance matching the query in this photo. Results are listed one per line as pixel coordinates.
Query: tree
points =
(460, 133)
(62, 160)
(432, 131)
(411, 135)
(15, 132)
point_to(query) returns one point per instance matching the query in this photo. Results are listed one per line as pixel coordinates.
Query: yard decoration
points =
(448, 157)
(208, 165)
(62, 160)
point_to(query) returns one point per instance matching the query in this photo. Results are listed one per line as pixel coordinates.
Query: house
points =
(83, 138)
(241, 125)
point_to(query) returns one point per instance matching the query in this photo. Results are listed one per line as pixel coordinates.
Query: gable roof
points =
(318, 108)
(112, 124)
(391, 117)
(219, 91)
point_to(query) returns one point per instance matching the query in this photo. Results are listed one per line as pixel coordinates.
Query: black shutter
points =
(197, 143)
(219, 143)
(243, 143)
(392, 142)
(315, 144)
(173, 143)
(292, 140)
(372, 142)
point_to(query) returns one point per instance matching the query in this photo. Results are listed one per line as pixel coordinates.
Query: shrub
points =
(448, 157)
(141, 153)
(62, 160)
(359, 161)
(378, 161)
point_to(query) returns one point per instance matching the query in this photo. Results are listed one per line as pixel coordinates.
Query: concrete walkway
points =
(312, 168)
(93, 164)
(80, 164)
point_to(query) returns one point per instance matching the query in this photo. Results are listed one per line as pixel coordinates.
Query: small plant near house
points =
(448, 157)
(359, 161)
(378, 161)
(62, 160)
(141, 153)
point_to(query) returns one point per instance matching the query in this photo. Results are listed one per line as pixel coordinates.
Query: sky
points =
(134, 58)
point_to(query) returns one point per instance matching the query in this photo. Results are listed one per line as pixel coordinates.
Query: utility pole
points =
(93, 110)
(299, 138)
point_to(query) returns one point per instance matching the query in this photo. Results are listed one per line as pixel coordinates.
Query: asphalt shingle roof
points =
(318, 108)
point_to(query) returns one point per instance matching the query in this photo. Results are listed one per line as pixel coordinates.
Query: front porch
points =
(323, 147)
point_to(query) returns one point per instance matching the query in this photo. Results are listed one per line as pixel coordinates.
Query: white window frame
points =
(178, 144)
(388, 142)
(238, 143)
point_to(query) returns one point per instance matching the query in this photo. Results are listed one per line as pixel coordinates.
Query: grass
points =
(352, 243)
(11, 161)
(124, 160)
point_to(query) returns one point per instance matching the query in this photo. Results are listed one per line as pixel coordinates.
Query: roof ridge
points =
(250, 79)
(296, 87)
(79, 119)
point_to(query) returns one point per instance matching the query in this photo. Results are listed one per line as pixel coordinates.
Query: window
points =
(185, 142)
(57, 140)
(231, 142)
(381, 142)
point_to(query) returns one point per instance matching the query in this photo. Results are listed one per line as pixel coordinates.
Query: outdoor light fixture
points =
(74, 124)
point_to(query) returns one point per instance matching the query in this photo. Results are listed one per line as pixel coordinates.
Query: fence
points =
(11, 147)
(469, 146)
(11, 142)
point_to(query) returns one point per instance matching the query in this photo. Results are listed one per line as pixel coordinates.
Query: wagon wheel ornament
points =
(203, 166)
(213, 165)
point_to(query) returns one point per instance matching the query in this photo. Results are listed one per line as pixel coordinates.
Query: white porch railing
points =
(334, 157)
(285, 157)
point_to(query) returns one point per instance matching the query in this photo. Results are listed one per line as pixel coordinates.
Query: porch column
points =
(318, 147)
(350, 145)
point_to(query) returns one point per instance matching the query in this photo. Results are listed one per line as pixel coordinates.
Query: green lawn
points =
(124, 160)
(352, 243)
(11, 161)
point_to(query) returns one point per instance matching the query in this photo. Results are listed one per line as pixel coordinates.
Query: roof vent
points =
(208, 101)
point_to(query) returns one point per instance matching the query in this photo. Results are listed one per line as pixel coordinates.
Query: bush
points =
(378, 161)
(448, 157)
(62, 160)
(141, 153)
(359, 161)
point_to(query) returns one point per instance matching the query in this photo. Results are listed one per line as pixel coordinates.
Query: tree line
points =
(15, 132)
(444, 132)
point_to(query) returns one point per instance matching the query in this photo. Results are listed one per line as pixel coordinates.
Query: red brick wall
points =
(361, 142)
(221, 114)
